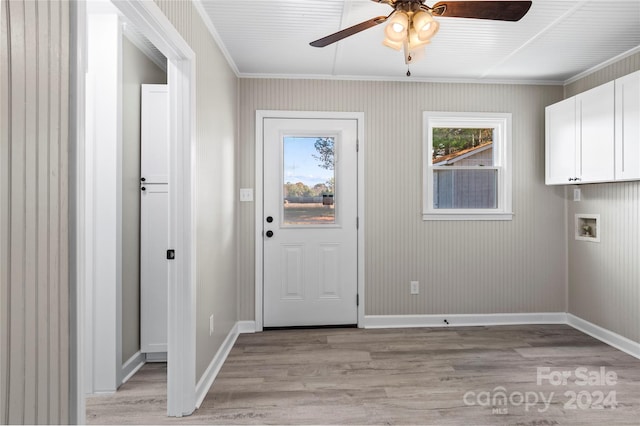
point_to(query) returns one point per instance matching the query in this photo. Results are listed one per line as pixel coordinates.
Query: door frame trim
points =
(261, 115)
(181, 78)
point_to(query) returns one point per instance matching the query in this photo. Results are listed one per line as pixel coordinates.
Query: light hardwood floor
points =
(432, 376)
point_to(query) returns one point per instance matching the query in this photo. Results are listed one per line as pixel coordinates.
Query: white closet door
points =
(154, 218)
(154, 236)
(154, 134)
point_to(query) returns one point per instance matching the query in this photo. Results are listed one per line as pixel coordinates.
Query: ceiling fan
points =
(411, 24)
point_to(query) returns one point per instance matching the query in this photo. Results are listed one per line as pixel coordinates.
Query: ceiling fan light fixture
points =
(415, 41)
(397, 45)
(424, 25)
(412, 55)
(396, 30)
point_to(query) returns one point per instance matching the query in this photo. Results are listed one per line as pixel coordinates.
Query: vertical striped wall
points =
(34, 216)
(604, 278)
(618, 69)
(216, 200)
(463, 267)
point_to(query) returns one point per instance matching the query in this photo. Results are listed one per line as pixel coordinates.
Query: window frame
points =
(502, 162)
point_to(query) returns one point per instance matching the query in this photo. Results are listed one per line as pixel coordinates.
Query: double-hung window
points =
(467, 166)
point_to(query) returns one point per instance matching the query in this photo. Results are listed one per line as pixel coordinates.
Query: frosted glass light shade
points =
(396, 29)
(397, 45)
(415, 41)
(424, 25)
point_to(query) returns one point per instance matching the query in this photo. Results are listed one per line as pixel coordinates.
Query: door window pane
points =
(309, 181)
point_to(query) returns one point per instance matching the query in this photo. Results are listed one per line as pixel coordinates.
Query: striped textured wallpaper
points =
(34, 272)
(215, 177)
(463, 267)
(604, 278)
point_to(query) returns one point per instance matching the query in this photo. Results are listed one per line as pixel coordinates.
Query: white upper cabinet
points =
(560, 148)
(595, 110)
(627, 145)
(580, 138)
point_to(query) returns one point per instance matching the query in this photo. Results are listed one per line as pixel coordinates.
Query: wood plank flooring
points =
(434, 376)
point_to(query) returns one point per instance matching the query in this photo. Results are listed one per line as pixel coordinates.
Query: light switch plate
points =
(577, 194)
(246, 194)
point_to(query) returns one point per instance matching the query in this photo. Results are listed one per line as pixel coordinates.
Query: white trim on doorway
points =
(154, 25)
(259, 190)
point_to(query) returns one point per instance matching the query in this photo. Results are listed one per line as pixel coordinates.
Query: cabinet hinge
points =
(357, 222)
(357, 146)
(357, 300)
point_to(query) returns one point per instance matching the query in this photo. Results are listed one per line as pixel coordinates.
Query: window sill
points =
(467, 216)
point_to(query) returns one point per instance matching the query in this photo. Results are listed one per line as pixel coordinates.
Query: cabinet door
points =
(627, 145)
(154, 134)
(560, 142)
(595, 110)
(154, 237)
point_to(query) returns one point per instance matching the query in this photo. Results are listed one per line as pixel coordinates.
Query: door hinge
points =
(357, 300)
(171, 254)
(357, 222)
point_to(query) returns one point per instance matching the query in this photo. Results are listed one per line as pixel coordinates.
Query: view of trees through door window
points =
(309, 180)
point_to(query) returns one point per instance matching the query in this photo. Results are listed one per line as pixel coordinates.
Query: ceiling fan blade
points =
(332, 38)
(496, 10)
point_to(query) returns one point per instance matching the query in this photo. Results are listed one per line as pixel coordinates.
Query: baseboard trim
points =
(469, 320)
(609, 337)
(131, 366)
(462, 320)
(246, 327)
(156, 356)
(206, 381)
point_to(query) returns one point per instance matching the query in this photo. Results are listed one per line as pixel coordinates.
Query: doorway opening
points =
(152, 24)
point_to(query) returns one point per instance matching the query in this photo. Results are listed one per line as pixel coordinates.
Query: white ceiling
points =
(554, 42)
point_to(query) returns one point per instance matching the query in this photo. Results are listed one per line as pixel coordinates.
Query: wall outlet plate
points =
(415, 287)
(246, 194)
(211, 325)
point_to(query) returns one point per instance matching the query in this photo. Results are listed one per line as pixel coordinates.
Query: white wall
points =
(604, 278)
(103, 186)
(463, 267)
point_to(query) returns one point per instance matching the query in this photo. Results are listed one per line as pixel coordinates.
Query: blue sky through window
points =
(299, 164)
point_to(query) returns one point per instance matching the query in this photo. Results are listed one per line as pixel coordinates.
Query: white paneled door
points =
(310, 222)
(154, 218)
(154, 236)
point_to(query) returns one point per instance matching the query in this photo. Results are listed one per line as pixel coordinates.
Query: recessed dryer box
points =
(588, 227)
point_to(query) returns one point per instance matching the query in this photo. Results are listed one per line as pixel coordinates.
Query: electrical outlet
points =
(211, 325)
(246, 194)
(576, 194)
(415, 287)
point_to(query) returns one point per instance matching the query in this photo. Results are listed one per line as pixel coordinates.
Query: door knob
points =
(142, 179)
(143, 188)
(269, 234)
(269, 219)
